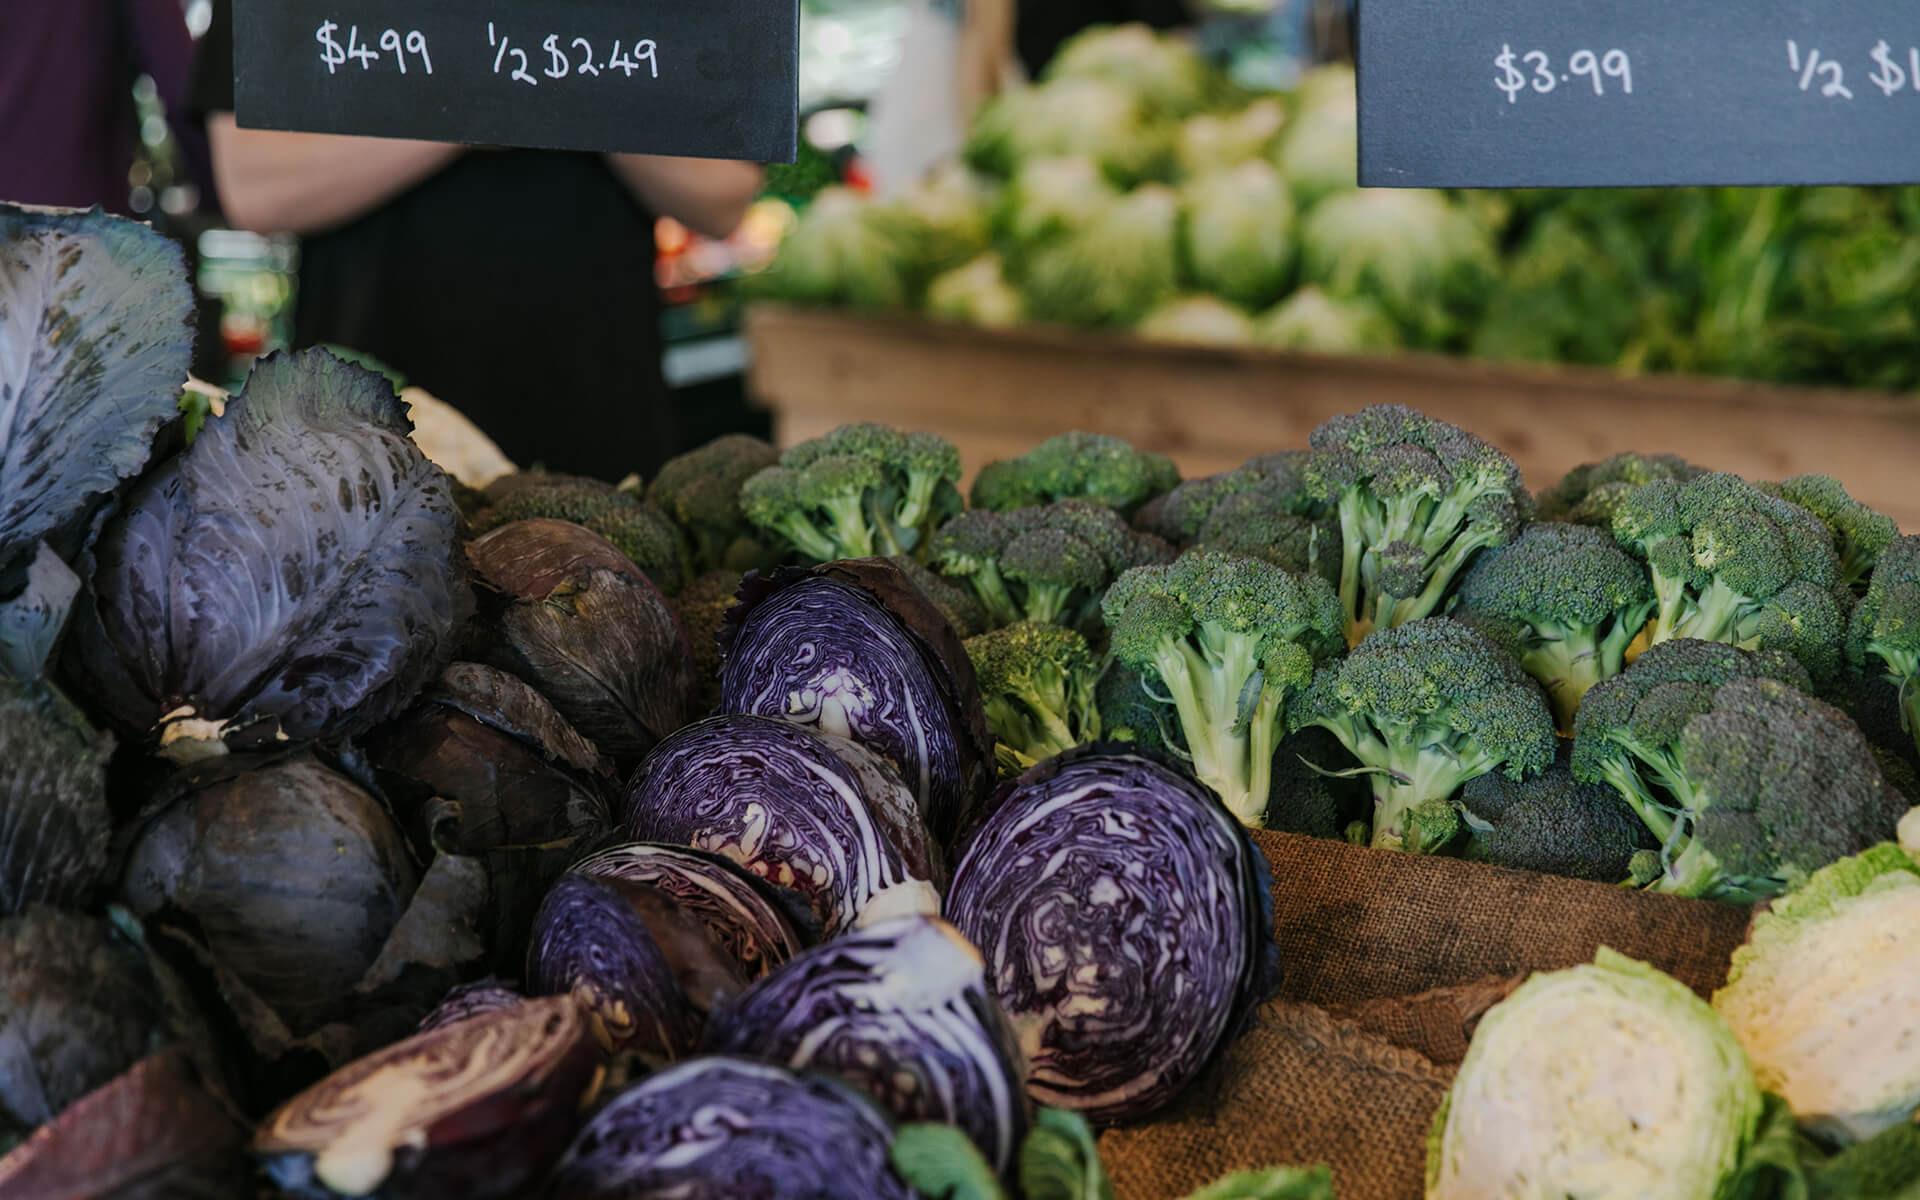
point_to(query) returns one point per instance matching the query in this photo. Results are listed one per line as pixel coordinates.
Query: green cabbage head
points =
(1116, 269)
(1197, 321)
(977, 294)
(1415, 253)
(1238, 234)
(1825, 996)
(1313, 321)
(1606, 1081)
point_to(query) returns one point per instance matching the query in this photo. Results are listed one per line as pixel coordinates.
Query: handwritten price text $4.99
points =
(336, 55)
(1533, 71)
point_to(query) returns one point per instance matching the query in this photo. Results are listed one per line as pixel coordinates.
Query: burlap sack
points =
(1389, 961)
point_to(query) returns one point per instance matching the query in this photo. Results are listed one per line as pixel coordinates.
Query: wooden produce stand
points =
(997, 392)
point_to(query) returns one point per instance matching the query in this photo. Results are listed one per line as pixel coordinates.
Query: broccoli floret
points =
(1260, 508)
(702, 608)
(1883, 639)
(1182, 515)
(700, 490)
(1131, 711)
(1426, 707)
(1551, 823)
(955, 602)
(858, 491)
(1314, 791)
(1416, 499)
(1626, 730)
(1731, 563)
(1779, 784)
(1590, 492)
(637, 529)
(1076, 466)
(1228, 639)
(1567, 600)
(1038, 683)
(1860, 534)
(1047, 564)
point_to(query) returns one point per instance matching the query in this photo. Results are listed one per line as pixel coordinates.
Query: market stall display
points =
(1241, 826)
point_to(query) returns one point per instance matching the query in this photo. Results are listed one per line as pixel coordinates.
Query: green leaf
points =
(1061, 1161)
(1271, 1183)
(1886, 1167)
(942, 1163)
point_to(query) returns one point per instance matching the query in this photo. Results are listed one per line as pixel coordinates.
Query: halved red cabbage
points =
(1126, 921)
(294, 574)
(470, 1000)
(902, 1011)
(152, 1133)
(725, 1128)
(475, 1109)
(77, 1007)
(578, 620)
(54, 822)
(291, 875)
(643, 972)
(741, 914)
(806, 811)
(854, 649)
(96, 335)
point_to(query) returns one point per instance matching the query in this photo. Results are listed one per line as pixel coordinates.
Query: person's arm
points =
(707, 195)
(275, 182)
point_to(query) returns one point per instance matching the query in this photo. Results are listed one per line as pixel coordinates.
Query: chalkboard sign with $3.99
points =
(716, 79)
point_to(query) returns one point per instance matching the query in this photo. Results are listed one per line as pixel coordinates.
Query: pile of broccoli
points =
(1656, 675)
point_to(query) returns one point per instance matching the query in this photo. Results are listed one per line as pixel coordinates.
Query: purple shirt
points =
(67, 67)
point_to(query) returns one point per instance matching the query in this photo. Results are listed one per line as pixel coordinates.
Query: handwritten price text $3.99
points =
(1534, 71)
(336, 56)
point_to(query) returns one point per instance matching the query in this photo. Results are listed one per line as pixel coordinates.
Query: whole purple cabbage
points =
(741, 914)
(902, 1011)
(854, 649)
(1126, 922)
(54, 822)
(805, 811)
(470, 1000)
(724, 1128)
(294, 574)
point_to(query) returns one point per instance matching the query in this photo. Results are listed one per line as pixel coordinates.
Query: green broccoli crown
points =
(1039, 686)
(1076, 466)
(637, 529)
(1551, 823)
(1734, 563)
(1188, 510)
(1782, 785)
(700, 490)
(1860, 534)
(1233, 594)
(1590, 493)
(859, 490)
(1049, 563)
(955, 601)
(1558, 577)
(1130, 711)
(1417, 499)
(702, 607)
(1884, 635)
(1434, 684)
(1306, 797)
(1260, 524)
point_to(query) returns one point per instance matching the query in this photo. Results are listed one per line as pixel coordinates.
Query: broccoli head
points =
(955, 601)
(1038, 684)
(1260, 509)
(1227, 639)
(1076, 466)
(1883, 639)
(1551, 823)
(1415, 499)
(1748, 783)
(1132, 711)
(1426, 707)
(700, 490)
(1567, 600)
(1314, 790)
(637, 529)
(1626, 730)
(702, 608)
(858, 491)
(1732, 563)
(1048, 564)
(1860, 534)
(1590, 492)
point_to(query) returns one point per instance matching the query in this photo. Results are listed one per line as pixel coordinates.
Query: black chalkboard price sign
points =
(1553, 93)
(716, 79)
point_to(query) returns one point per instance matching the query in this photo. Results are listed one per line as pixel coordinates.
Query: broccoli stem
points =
(1351, 547)
(816, 545)
(914, 506)
(1626, 781)
(847, 523)
(1047, 603)
(1715, 612)
(1424, 768)
(1670, 607)
(1694, 872)
(1205, 676)
(991, 590)
(1440, 577)
(1569, 665)
(1902, 666)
